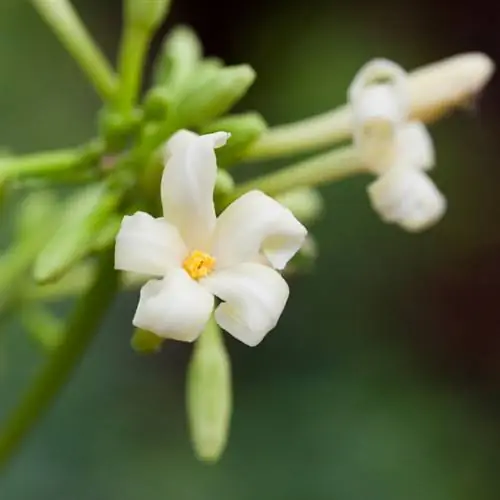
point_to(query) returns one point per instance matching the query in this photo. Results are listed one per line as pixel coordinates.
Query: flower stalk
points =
(74, 36)
(79, 332)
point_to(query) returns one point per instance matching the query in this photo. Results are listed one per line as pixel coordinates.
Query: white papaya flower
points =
(407, 197)
(379, 97)
(394, 148)
(194, 256)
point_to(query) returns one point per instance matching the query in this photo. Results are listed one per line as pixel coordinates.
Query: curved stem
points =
(80, 330)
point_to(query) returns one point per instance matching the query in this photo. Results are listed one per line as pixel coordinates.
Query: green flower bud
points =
(106, 235)
(144, 342)
(224, 183)
(146, 14)
(181, 53)
(43, 326)
(244, 128)
(209, 397)
(213, 93)
(157, 103)
(83, 215)
(304, 259)
(35, 210)
(305, 203)
(117, 129)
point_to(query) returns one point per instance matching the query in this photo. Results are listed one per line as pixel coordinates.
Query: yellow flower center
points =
(198, 264)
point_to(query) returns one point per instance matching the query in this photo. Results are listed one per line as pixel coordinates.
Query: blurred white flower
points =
(197, 256)
(407, 197)
(394, 148)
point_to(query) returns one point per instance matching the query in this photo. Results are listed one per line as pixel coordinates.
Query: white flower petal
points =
(254, 297)
(149, 246)
(379, 99)
(407, 197)
(179, 141)
(257, 223)
(415, 146)
(176, 307)
(187, 186)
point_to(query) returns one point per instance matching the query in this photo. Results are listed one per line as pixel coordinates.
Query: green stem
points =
(72, 33)
(134, 47)
(80, 330)
(40, 163)
(305, 135)
(320, 169)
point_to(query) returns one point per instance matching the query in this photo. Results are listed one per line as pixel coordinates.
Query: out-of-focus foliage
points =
(339, 402)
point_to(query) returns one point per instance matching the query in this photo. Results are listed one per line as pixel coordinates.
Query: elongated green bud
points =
(43, 326)
(213, 94)
(209, 398)
(179, 56)
(244, 128)
(305, 203)
(83, 216)
(144, 342)
(157, 103)
(146, 14)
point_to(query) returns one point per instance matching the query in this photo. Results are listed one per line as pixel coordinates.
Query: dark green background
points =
(382, 379)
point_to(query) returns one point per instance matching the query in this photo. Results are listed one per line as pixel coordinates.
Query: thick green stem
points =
(80, 330)
(314, 171)
(134, 47)
(72, 33)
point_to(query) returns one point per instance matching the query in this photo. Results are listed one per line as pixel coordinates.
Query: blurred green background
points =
(382, 380)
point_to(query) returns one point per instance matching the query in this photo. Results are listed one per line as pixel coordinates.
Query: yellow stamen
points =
(198, 264)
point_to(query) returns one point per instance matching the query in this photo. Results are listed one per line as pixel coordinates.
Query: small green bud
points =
(224, 183)
(146, 14)
(107, 233)
(118, 129)
(83, 216)
(144, 342)
(244, 128)
(179, 56)
(157, 103)
(304, 259)
(43, 326)
(209, 397)
(35, 210)
(305, 203)
(212, 94)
